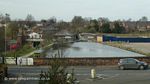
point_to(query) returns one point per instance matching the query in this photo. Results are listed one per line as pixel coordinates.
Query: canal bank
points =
(89, 53)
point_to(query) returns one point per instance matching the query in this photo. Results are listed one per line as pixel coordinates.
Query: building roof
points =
(34, 35)
(63, 33)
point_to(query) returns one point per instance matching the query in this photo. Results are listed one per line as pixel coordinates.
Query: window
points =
(124, 61)
(132, 61)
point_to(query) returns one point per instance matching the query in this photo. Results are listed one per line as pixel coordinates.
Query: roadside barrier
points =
(19, 61)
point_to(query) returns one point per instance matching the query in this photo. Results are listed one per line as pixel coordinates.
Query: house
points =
(137, 25)
(88, 36)
(49, 29)
(65, 36)
(131, 26)
(35, 39)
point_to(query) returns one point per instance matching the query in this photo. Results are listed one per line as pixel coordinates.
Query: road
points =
(105, 75)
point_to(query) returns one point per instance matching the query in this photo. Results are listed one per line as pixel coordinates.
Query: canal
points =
(94, 50)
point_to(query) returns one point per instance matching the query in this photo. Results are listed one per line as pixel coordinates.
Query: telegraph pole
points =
(4, 43)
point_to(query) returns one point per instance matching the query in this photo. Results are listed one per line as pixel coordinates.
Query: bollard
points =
(69, 76)
(93, 73)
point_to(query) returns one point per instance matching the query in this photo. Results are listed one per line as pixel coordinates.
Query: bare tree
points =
(7, 17)
(29, 18)
(30, 21)
(144, 19)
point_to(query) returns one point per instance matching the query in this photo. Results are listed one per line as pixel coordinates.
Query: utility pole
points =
(5, 42)
(6, 15)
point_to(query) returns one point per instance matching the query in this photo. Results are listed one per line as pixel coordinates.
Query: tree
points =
(57, 72)
(7, 18)
(105, 28)
(78, 21)
(103, 20)
(12, 30)
(29, 18)
(144, 19)
(77, 24)
(30, 21)
(95, 25)
(52, 20)
(91, 30)
(118, 28)
(63, 25)
(1, 18)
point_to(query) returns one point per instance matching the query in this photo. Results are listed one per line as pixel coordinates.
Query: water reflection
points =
(90, 49)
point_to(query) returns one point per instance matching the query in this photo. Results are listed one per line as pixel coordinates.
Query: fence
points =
(112, 38)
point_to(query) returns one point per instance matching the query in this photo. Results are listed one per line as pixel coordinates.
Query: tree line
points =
(101, 25)
(77, 25)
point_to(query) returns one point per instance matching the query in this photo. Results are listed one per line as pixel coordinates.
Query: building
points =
(35, 39)
(49, 30)
(88, 36)
(65, 36)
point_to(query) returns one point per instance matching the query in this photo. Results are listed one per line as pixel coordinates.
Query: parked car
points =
(131, 63)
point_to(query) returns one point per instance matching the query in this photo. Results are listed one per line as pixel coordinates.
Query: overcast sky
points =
(66, 9)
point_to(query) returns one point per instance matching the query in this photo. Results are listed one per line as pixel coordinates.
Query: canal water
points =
(94, 50)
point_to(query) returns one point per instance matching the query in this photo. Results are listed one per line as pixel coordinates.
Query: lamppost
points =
(5, 40)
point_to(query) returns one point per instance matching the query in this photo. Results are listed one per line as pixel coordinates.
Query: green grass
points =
(20, 52)
(47, 46)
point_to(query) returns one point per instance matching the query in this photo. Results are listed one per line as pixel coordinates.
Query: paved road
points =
(105, 74)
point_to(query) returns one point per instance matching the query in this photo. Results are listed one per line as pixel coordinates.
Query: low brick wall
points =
(85, 61)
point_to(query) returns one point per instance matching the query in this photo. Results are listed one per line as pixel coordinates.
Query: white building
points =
(35, 39)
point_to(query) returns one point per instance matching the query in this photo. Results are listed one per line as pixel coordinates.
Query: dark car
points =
(131, 63)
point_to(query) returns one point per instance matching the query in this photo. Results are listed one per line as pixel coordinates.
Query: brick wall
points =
(85, 61)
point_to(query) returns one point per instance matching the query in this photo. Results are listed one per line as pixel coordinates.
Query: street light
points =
(6, 15)
(5, 44)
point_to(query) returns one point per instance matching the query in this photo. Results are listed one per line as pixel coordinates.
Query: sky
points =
(67, 9)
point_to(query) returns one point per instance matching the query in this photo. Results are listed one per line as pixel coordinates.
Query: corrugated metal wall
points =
(137, 39)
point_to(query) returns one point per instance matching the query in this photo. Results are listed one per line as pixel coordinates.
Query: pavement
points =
(104, 75)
